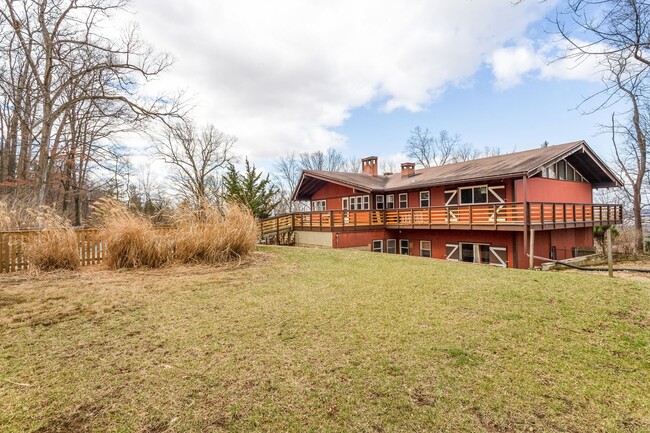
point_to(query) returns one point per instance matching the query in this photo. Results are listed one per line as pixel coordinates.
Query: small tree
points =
(250, 190)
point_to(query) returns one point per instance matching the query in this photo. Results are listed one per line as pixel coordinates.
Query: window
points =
(473, 195)
(390, 201)
(345, 203)
(424, 198)
(404, 247)
(378, 246)
(425, 248)
(319, 205)
(366, 202)
(475, 253)
(353, 203)
(403, 200)
(391, 246)
(379, 202)
(561, 170)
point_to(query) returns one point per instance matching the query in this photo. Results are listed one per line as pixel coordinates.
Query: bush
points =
(55, 246)
(213, 235)
(130, 240)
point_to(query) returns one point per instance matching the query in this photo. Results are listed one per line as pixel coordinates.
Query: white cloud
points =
(280, 75)
(511, 64)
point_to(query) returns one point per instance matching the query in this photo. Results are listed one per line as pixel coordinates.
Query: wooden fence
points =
(12, 245)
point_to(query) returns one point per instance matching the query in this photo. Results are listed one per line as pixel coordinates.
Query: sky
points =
(358, 76)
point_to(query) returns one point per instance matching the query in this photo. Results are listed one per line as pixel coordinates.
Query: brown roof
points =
(526, 163)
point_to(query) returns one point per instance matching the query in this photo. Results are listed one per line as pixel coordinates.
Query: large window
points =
(390, 201)
(562, 170)
(424, 199)
(425, 248)
(404, 247)
(379, 202)
(319, 205)
(359, 202)
(403, 200)
(475, 253)
(391, 246)
(473, 195)
(378, 246)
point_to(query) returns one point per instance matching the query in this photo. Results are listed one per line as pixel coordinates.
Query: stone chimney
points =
(408, 169)
(369, 165)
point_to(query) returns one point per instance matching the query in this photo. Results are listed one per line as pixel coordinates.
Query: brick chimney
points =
(369, 165)
(408, 169)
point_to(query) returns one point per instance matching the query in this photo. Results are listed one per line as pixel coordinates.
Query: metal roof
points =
(517, 164)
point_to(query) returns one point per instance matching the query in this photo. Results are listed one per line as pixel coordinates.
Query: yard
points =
(319, 340)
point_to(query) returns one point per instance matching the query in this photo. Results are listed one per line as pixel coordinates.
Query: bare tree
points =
(196, 157)
(55, 58)
(616, 34)
(330, 160)
(431, 151)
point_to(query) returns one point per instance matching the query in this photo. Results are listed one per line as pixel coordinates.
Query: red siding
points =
(356, 239)
(563, 240)
(552, 190)
(332, 193)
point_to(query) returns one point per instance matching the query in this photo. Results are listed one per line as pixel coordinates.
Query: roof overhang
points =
(590, 166)
(312, 182)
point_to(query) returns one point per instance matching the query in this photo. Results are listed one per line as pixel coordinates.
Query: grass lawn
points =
(327, 341)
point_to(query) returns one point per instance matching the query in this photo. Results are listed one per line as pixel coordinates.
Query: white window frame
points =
(425, 249)
(460, 195)
(408, 247)
(381, 246)
(394, 242)
(379, 202)
(406, 201)
(365, 202)
(345, 203)
(428, 199)
(476, 251)
(319, 205)
(359, 200)
(390, 199)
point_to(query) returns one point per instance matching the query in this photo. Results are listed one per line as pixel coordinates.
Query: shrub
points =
(53, 247)
(213, 235)
(130, 240)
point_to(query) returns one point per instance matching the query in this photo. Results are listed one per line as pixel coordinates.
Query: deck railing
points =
(508, 216)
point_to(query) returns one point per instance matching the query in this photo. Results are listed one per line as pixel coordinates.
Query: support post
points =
(610, 261)
(531, 242)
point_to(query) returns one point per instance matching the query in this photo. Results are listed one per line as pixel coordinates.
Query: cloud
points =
(281, 75)
(511, 64)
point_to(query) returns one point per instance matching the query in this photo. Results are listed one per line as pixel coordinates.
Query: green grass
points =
(325, 341)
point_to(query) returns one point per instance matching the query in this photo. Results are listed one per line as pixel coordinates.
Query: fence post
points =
(610, 265)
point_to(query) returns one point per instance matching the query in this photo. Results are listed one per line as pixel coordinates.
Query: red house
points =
(482, 211)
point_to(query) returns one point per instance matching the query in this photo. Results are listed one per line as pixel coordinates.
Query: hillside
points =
(322, 340)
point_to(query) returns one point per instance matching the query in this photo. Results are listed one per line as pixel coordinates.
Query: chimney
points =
(369, 165)
(408, 169)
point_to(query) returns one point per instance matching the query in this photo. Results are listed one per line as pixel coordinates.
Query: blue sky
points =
(296, 76)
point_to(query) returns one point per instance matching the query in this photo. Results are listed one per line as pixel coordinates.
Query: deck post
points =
(541, 214)
(610, 266)
(531, 242)
(277, 231)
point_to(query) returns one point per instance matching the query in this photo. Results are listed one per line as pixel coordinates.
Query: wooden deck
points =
(499, 216)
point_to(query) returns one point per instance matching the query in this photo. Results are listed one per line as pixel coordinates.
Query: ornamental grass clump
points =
(130, 240)
(213, 235)
(55, 245)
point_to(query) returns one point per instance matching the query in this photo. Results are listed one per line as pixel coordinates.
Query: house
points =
(489, 210)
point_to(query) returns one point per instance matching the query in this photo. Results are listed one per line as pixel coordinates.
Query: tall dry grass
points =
(55, 245)
(130, 240)
(213, 235)
(209, 235)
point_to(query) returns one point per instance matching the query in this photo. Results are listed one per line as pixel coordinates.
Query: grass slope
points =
(327, 341)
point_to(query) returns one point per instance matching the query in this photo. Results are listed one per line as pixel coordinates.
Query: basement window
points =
(378, 246)
(404, 247)
(391, 246)
(425, 248)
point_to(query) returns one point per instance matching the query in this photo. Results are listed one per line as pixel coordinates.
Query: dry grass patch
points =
(330, 341)
(55, 245)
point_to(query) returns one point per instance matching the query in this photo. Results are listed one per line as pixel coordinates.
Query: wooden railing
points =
(508, 216)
